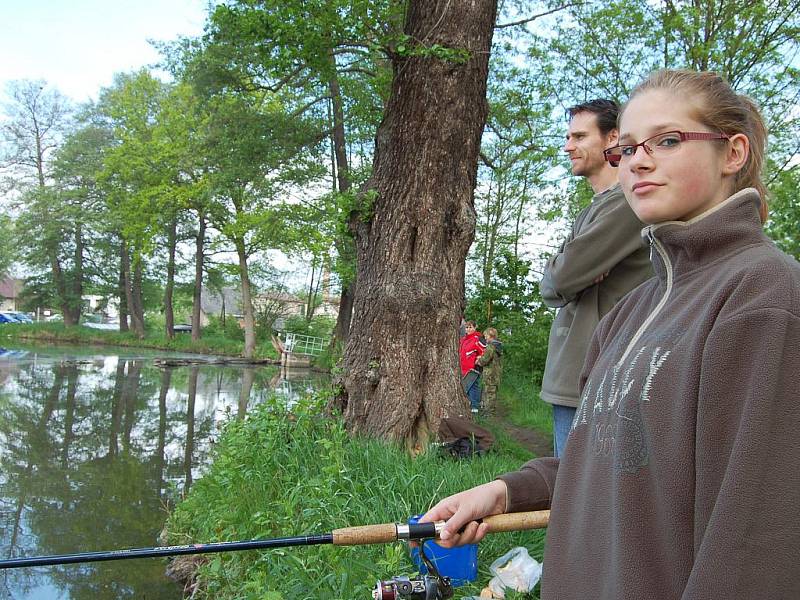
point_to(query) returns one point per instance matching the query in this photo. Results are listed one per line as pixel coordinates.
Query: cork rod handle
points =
(365, 534)
(387, 532)
(518, 521)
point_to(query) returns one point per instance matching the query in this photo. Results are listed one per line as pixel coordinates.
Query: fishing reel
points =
(432, 586)
(425, 587)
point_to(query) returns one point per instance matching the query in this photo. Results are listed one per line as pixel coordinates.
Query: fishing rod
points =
(348, 536)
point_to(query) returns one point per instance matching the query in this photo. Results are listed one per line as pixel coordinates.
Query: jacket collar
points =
(722, 230)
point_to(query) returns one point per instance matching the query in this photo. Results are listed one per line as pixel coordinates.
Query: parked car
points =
(4, 318)
(19, 316)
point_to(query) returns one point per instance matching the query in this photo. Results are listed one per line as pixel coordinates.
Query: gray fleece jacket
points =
(681, 478)
(605, 238)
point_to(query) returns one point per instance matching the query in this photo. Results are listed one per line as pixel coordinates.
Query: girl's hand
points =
(463, 509)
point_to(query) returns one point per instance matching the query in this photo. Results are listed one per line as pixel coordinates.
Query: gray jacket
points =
(605, 238)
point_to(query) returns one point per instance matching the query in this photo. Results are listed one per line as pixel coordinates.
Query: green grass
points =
(182, 342)
(520, 395)
(279, 474)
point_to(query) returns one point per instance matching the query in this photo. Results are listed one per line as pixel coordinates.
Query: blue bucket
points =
(460, 564)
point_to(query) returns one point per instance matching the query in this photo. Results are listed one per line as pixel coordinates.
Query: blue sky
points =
(78, 45)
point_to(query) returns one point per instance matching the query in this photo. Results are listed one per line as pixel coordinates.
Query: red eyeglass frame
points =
(685, 136)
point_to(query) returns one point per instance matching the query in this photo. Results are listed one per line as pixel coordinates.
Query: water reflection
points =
(94, 448)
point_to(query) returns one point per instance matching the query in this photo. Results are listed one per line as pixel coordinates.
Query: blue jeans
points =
(562, 423)
(474, 394)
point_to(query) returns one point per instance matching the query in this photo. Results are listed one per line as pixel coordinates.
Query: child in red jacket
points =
(472, 346)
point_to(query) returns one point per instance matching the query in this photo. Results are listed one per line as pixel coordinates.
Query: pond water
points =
(96, 445)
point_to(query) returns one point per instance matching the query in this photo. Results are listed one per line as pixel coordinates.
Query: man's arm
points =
(587, 257)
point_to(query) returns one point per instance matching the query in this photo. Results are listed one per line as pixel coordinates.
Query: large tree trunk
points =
(198, 274)
(169, 313)
(401, 361)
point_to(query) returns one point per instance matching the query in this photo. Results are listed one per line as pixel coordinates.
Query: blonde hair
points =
(490, 332)
(718, 107)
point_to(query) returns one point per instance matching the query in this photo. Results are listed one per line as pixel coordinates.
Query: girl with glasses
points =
(682, 475)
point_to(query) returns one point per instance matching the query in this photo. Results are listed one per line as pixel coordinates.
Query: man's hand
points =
(600, 277)
(462, 510)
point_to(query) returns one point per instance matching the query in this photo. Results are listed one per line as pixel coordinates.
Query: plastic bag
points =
(515, 570)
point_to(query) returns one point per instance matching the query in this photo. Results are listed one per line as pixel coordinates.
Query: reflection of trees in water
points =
(92, 450)
(80, 478)
(293, 384)
(187, 457)
(21, 423)
(78, 482)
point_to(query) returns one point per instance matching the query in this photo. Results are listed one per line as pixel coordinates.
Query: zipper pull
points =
(652, 241)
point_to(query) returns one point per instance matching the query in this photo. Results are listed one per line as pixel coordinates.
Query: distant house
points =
(105, 307)
(10, 289)
(228, 302)
(328, 307)
(276, 306)
(281, 305)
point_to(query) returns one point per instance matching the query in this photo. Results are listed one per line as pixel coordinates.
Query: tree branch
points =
(534, 17)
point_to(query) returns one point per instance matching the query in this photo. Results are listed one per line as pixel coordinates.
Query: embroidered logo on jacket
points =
(612, 409)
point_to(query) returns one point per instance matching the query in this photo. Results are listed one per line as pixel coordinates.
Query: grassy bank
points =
(519, 393)
(279, 474)
(55, 333)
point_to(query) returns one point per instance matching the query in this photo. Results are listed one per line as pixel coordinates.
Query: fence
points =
(306, 345)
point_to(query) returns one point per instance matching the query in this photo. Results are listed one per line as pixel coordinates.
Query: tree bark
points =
(60, 285)
(169, 313)
(401, 361)
(137, 310)
(198, 274)
(247, 302)
(123, 295)
(341, 330)
(338, 134)
(74, 301)
(133, 290)
(313, 290)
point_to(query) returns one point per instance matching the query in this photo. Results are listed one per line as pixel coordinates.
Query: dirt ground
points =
(540, 444)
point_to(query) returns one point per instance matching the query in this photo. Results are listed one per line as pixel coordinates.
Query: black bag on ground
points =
(461, 438)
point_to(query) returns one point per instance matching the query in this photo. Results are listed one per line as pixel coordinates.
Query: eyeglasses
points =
(657, 145)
